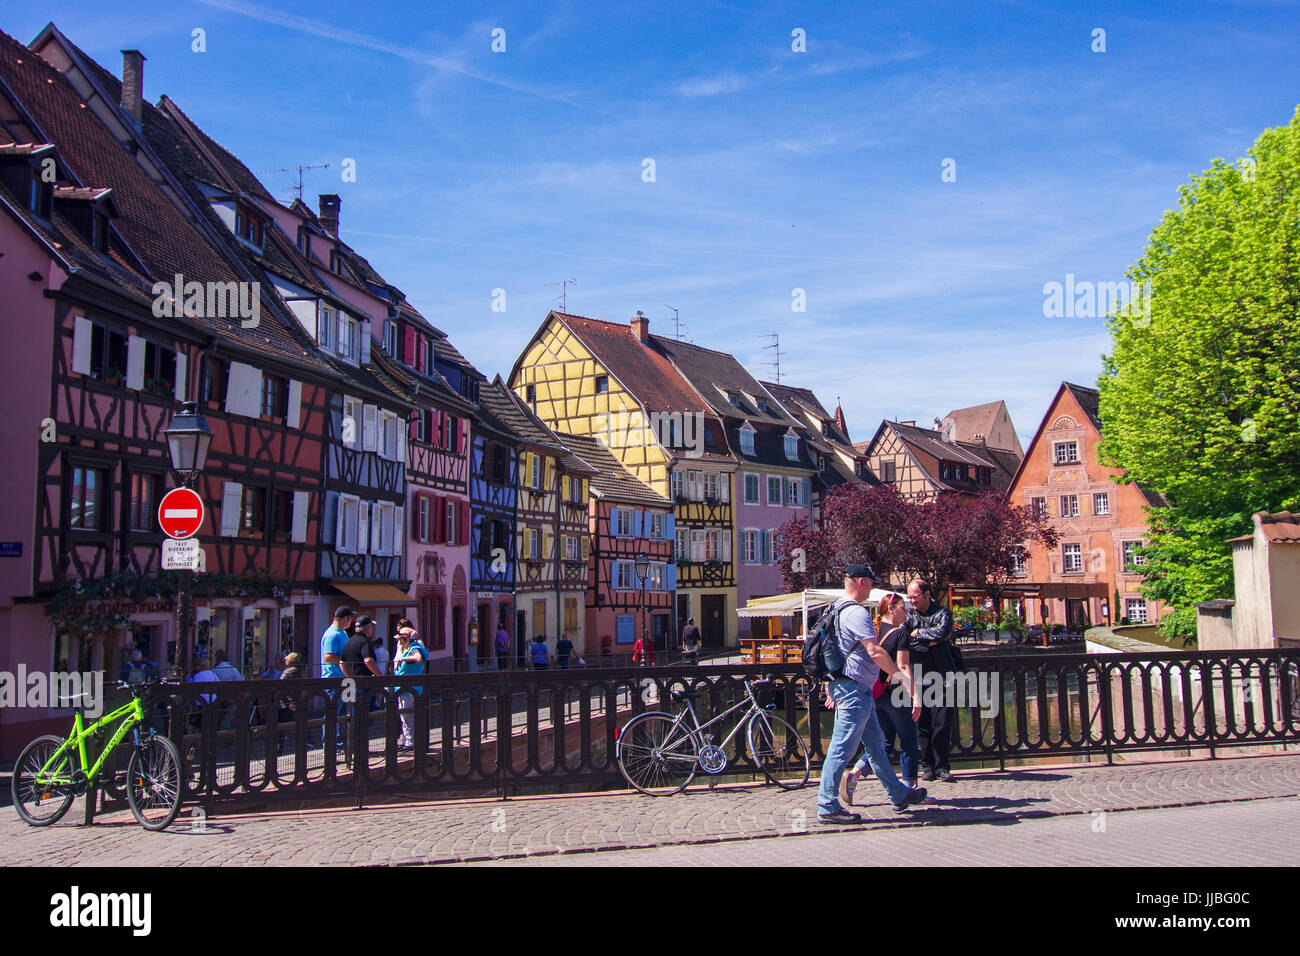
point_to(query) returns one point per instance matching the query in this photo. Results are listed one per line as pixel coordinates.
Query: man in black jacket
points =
(929, 627)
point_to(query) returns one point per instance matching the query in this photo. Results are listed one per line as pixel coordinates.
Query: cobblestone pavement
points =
(1251, 833)
(493, 829)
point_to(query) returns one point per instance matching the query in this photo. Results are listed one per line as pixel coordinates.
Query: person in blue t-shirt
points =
(331, 655)
(539, 653)
(411, 658)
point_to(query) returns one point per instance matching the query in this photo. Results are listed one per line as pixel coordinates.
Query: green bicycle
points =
(52, 771)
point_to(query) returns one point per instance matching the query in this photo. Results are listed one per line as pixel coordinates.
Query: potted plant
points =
(1011, 625)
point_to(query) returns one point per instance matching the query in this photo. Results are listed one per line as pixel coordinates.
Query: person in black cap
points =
(855, 708)
(359, 652)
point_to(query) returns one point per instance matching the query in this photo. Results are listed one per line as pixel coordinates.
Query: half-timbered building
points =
(550, 528)
(111, 342)
(585, 376)
(838, 462)
(627, 519)
(922, 465)
(1093, 574)
(493, 496)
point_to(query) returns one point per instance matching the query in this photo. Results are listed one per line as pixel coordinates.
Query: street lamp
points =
(188, 441)
(642, 566)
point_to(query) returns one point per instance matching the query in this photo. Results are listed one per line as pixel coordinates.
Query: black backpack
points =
(822, 657)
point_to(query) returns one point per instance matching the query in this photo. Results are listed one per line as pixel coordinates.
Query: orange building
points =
(1090, 576)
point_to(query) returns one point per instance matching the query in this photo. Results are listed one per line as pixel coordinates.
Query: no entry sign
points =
(180, 513)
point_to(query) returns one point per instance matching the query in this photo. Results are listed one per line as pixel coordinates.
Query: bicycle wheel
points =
(153, 783)
(40, 804)
(779, 750)
(654, 757)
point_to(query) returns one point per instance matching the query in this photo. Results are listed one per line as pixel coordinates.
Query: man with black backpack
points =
(842, 649)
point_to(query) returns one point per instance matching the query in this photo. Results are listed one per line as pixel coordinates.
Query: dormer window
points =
(747, 438)
(602, 384)
(735, 400)
(304, 241)
(390, 338)
(791, 446)
(99, 232)
(248, 226)
(41, 198)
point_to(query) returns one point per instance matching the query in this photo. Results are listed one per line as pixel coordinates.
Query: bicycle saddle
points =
(681, 696)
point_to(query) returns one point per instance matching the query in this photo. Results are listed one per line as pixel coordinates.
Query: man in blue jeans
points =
(855, 710)
(332, 643)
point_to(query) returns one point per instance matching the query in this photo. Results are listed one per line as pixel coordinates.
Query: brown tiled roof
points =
(717, 376)
(612, 480)
(1281, 527)
(1089, 400)
(644, 370)
(929, 449)
(155, 230)
(977, 419)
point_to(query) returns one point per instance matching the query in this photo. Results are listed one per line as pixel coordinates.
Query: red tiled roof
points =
(644, 371)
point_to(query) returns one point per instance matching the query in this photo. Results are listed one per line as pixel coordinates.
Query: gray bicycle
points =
(659, 753)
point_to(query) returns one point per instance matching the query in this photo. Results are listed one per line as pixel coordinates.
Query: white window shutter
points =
(726, 545)
(363, 527)
(390, 529)
(134, 362)
(401, 441)
(300, 500)
(82, 332)
(365, 342)
(243, 390)
(399, 529)
(340, 526)
(724, 487)
(179, 390)
(369, 428)
(232, 502)
(697, 545)
(295, 403)
(342, 341)
(350, 414)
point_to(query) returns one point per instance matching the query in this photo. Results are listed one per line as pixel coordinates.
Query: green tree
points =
(1200, 398)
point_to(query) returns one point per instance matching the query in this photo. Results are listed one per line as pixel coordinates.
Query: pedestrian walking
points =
(896, 722)
(540, 655)
(332, 643)
(855, 709)
(563, 650)
(359, 651)
(286, 703)
(690, 642)
(410, 658)
(382, 658)
(929, 629)
(502, 646)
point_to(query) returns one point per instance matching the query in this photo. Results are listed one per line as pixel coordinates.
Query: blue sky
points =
(774, 170)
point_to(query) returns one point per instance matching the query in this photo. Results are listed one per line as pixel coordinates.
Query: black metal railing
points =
(502, 732)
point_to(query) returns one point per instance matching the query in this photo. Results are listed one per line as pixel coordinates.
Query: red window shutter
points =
(462, 432)
(413, 427)
(414, 512)
(464, 522)
(421, 350)
(408, 345)
(440, 522)
(442, 429)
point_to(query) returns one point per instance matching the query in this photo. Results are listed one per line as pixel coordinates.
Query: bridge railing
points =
(501, 732)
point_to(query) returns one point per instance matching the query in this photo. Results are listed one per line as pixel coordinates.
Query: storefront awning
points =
(791, 605)
(374, 595)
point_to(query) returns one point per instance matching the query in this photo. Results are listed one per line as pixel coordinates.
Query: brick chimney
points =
(133, 84)
(329, 213)
(641, 327)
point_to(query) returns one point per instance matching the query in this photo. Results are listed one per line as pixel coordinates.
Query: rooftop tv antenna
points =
(564, 292)
(677, 322)
(298, 170)
(776, 345)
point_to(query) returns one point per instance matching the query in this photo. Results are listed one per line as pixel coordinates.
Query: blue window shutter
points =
(330, 518)
(613, 522)
(613, 576)
(670, 577)
(638, 522)
(670, 530)
(806, 498)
